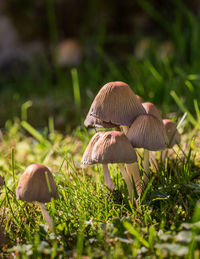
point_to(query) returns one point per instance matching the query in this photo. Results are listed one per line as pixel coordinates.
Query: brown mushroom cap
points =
(150, 108)
(116, 103)
(147, 132)
(33, 185)
(172, 133)
(1, 181)
(113, 147)
(87, 156)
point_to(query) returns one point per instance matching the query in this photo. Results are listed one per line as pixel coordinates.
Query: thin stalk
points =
(107, 177)
(133, 172)
(146, 166)
(46, 216)
(128, 181)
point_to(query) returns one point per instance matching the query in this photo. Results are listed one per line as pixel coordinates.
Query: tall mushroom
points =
(116, 103)
(149, 133)
(36, 184)
(114, 147)
(151, 109)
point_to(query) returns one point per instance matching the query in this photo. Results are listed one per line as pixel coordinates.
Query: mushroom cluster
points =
(117, 106)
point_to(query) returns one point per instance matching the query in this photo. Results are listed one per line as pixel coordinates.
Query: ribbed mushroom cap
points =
(172, 133)
(87, 156)
(113, 147)
(150, 108)
(33, 185)
(147, 132)
(92, 121)
(139, 98)
(116, 103)
(1, 181)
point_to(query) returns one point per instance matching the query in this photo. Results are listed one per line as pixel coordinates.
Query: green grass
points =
(90, 221)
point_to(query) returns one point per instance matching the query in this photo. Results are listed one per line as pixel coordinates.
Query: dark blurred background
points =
(52, 51)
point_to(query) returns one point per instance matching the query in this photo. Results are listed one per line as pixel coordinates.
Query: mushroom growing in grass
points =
(87, 159)
(116, 103)
(149, 133)
(151, 109)
(114, 147)
(1, 181)
(36, 184)
(173, 135)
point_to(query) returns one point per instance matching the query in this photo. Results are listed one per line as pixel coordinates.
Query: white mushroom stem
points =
(46, 216)
(133, 172)
(128, 181)
(146, 166)
(107, 177)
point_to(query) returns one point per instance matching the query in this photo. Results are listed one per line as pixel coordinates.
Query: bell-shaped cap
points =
(147, 132)
(87, 156)
(150, 108)
(36, 184)
(172, 133)
(1, 181)
(116, 103)
(113, 147)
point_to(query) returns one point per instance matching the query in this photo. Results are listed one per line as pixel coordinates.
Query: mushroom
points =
(36, 184)
(150, 108)
(149, 133)
(108, 149)
(87, 159)
(116, 103)
(1, 181)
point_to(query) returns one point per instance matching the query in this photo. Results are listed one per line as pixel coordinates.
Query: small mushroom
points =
(151, 109)
(114, 147)
(36, 184)
(116, 103)
(149, 133)
(87, 158)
